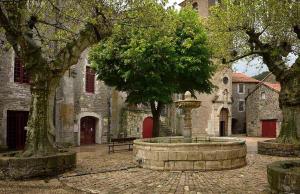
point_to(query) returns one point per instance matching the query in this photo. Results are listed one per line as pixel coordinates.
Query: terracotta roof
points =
(273, 86)
(242, 78)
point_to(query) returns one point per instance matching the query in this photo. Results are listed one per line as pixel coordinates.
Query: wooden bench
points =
(125, 141)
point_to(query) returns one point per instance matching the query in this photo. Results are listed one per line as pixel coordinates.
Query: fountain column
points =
(187, 130)
(187, 105)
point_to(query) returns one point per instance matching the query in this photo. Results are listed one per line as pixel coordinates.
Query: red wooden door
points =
(147, 127)
(87, 130)
(16, 133)
(269, 128)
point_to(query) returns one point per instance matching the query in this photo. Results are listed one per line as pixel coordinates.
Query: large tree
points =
(162, 53)
(268, 30)
(50, 35)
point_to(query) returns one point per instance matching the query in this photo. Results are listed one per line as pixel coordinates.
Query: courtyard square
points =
(100, 172)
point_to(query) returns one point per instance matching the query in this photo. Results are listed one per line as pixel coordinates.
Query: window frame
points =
(239, 86)
(244, 105)
(20, 75)
(90, 82)
(263, 95)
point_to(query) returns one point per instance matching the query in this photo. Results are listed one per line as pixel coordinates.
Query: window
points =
(263, 95)
(195, 6)
(20, 74)
(90, 80)
(241, 88)
(211, 2)
(241, 106)
(225, 80)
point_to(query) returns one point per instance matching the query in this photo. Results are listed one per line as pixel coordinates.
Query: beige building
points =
(214, 116)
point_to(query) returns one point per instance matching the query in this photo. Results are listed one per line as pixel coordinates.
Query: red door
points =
(16, 133)
(269, 128)
(87, 130)
(147, 127)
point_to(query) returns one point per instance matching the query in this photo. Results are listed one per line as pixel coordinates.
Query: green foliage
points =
(159, 53)
(273, 21)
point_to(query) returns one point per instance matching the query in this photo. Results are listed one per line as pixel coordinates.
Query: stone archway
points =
(223, 127)
(98, 126)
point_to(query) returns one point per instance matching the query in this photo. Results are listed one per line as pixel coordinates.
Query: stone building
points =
(83, 105)
(263, 114)
(214, 115)
(242, 85)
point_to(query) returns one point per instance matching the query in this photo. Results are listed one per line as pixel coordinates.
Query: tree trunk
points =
(40, 128)
(156, 111)
(289, 101)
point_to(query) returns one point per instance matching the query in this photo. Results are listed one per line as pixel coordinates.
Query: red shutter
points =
(90, 80)
(20, 74)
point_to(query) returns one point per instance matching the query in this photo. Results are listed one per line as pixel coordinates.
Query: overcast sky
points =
(253, 68)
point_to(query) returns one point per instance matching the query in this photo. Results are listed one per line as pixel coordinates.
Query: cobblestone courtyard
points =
(99, 172)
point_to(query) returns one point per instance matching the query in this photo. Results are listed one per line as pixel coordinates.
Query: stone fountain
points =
(201, 153)
(187, 105)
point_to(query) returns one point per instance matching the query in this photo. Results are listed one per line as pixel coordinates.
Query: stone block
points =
(184, 165)
(242, 152)
(194, 155)
(199, 165)
(169, 165)
(226, 164)
(209, 155)
(156, 163)
(213, 165)
(238, 162)
(222, 155)
(163, 156)
(172, 155)
(181, 156)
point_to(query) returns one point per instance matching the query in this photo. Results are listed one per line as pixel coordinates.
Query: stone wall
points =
(13, 96)
(132, 122)
(91, 104)
(239, 125)
(259, 109)
(211, 154)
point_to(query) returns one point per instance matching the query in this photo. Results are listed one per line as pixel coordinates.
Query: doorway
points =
(147, 127)
(223, 130)
(16, 133)
(87, 131)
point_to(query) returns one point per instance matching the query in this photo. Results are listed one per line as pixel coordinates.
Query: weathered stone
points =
(284, 176)
(213, 165)
(184, 165)
(199, 165)
(270, 147)
(21, 168)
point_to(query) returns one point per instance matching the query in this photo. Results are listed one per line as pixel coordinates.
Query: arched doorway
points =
(147, 127)
(87, 130)
(224, 122)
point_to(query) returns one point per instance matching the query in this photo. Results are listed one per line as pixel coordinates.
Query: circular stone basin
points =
(271, 147)
(202, 154)
(21, 168)
(284, 176)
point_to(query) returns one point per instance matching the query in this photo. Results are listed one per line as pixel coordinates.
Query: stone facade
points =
(202, 6)
(13, 96)
(72, 102)
(207, 118)
(262, 104)
(246, 84)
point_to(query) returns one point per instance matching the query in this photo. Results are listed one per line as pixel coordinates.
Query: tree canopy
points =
(270, 30)
(165, 53)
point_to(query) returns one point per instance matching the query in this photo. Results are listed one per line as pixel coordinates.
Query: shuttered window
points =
(20, 74)
(90, 80)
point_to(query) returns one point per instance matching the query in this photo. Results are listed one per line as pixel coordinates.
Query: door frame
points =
(98, 127)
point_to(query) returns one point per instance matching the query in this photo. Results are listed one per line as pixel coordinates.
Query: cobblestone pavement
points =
(99, 172)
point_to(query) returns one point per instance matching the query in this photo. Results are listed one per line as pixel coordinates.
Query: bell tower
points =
(202, 6)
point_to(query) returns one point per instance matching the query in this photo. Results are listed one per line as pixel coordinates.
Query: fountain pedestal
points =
(187, 105)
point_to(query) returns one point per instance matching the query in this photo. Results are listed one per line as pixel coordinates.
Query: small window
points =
(225, 80)
(20, 74)
(90, 80)
(263, 95)
(211, 3)
(241, 88)
(241, 106)
(195, 6)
